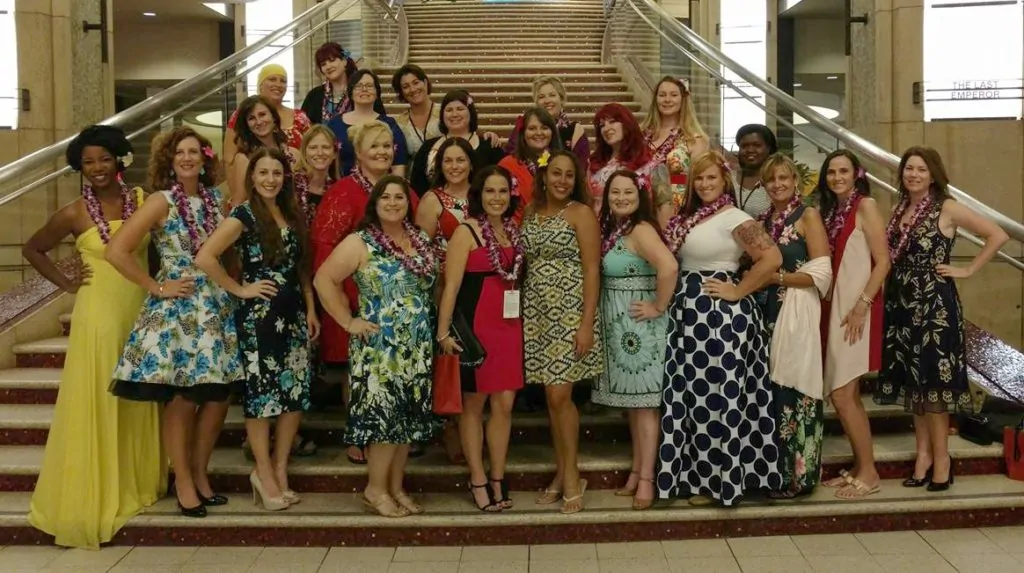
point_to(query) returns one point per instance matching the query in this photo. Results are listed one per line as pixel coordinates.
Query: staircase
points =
(331, 513)
(494, 50)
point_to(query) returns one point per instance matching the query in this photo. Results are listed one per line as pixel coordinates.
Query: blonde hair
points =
(779, 161)
(368, 132)
(687, 118)
(700, 164)
(541, 81)
(319, 129)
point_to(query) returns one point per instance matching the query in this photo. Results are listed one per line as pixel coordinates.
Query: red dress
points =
(300, 125)
(481, 300)
(453, 212)
(339, 213)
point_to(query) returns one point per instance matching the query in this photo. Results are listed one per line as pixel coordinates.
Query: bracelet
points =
(445, 337)
(864, 299)
(160, 289)
(782, 277)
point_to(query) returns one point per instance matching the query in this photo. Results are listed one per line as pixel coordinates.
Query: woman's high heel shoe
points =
(212, 501)
(197, 511)
(269, 503)
(936, 486)
(914, 482)
(626, 491)
(492, 506)
(505, 501)
(291, 497)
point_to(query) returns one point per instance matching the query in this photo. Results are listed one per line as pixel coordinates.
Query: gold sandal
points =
(625, 491)
(574, 504)
(857, 489)
(549, 496)
(406, 502)
(384, 506)
(839, 482)
(640, 504)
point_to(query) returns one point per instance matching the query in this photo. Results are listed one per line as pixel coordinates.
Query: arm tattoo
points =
(754, 238)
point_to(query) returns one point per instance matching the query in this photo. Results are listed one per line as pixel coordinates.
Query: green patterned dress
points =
(553, 304)
(798, 418)
(634, 351)
(392, 370)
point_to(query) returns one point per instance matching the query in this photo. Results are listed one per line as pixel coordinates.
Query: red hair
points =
(633, 152)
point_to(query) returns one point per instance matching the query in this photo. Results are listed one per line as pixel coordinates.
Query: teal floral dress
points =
(181, 346)
(798, 418)
(392, 371)
(634, 351)
(272, 334)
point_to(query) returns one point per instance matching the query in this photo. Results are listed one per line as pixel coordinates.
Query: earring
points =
(172, 174)
(202, 171)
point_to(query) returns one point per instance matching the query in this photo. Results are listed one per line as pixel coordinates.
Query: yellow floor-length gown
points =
(103, 462)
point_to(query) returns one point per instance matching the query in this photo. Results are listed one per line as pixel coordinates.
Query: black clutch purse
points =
(473, 353)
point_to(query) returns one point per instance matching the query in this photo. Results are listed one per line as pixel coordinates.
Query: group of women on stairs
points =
(717, 307)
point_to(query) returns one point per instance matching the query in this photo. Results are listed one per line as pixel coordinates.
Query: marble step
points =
(574, 80)
(524, 98)
(514, 70)
(334, 519)
(575, 110)
(472, 59)
(530, 466)
(477, 41)
(29, 385)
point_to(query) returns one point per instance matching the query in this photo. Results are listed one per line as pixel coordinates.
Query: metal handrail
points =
(15, 169)
(850, 139)
(970, 237)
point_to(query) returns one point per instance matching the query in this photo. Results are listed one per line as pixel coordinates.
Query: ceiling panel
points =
(164, 9)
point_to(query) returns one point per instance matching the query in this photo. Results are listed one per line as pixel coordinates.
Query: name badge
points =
(510, 309)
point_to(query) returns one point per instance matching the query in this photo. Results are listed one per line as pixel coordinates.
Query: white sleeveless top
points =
(710, 245)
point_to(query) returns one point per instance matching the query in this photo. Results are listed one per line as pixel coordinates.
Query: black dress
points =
(924, 364)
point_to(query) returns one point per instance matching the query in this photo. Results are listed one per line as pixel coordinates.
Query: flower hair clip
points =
(469, 100)
(726, 167)
(126, 159)
(345, 54)
(542, 161)
(685, 84)
(861, 172)
(513, 186)
(208, 151)
(643, 183)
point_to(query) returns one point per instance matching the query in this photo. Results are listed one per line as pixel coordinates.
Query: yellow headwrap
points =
(271, 70)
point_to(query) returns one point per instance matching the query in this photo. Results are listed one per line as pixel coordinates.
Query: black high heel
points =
(492, 506)
(914, 482)
(936, 486)
(197, 511)
(505, 502)
(212, 501)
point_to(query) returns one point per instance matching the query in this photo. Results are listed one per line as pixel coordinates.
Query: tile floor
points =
(987, 550)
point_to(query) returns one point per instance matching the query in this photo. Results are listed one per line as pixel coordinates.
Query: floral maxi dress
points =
(392, 370)
(273, 334)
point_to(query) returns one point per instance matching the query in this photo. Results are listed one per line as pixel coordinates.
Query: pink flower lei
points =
(423, 265)
(679, 227)
(622, 228)
(895, 228)
(835, 222)
(95, 210)
(210, 217)
(362, 180)
(494, 248)
(778, 221)
(302, 191)
(562, 120)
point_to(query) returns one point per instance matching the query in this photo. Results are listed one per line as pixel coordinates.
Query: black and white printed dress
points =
(718, 426)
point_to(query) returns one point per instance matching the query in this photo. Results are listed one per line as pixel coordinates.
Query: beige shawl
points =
(796, 341)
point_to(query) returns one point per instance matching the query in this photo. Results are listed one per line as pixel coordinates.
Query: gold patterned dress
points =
(103, 463)
(553, 304)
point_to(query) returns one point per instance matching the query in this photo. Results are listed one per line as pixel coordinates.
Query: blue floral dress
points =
(392, 371)
(273, 334)
(181, 346)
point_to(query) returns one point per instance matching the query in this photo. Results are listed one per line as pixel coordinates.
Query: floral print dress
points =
(799, 418)
(272, 333)
(392, 370)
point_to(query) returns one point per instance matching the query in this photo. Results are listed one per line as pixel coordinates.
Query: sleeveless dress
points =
(392, 371)
(924, 362)
(717, 425)
(453, 212)
(481, 300)
(103, 462)
(798, 417)
(553, 304)
(851, 269)
(675, 154)
(634, 351)
(272, 334)
(181, 346)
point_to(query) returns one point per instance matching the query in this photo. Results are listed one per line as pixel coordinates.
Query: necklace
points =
(621, 229)
(362, 180)
(836, 220)
(210, 216)
(778, 221)
(95, 209)
(426, 124)
(679, 227)
(331, 108)
(660, 152)
(494, 248)
(421, 264)
(898, 235)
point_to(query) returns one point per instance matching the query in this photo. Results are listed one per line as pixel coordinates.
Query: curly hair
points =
(269, 233)
(245, 140)
(108, 137)
(161, 159)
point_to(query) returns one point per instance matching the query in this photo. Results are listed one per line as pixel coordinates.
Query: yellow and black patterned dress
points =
(553, 304)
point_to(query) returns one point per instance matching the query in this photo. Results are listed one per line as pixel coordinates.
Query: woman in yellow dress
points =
(103, 461)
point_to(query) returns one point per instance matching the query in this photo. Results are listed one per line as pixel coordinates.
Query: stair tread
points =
(331, 461)
(602, 506)
(30, 378)
(44, 346)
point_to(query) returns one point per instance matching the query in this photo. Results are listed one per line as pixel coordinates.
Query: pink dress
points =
(480, 301)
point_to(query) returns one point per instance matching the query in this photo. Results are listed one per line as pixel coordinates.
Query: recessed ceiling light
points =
(150, 14)
(832, 78)
(798, 85)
